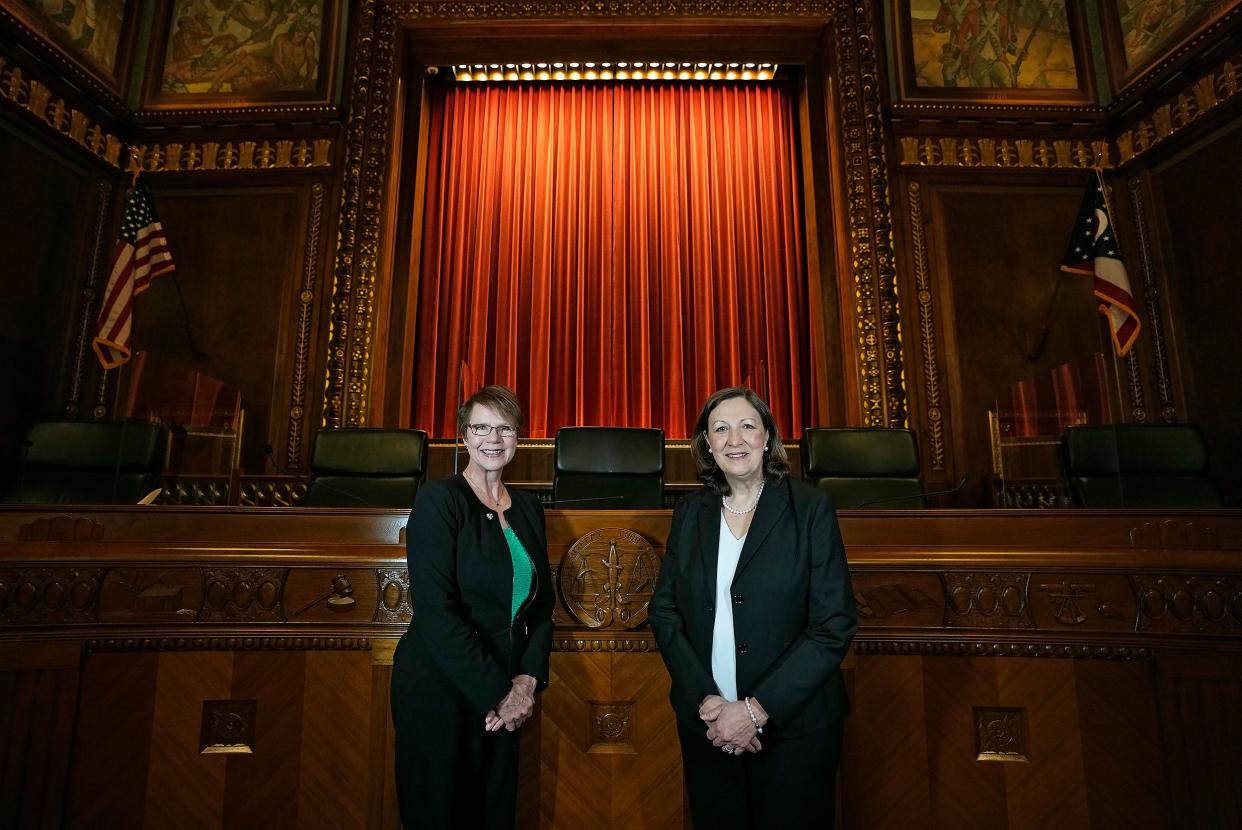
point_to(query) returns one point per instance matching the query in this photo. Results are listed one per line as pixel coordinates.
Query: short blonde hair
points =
(496, 397)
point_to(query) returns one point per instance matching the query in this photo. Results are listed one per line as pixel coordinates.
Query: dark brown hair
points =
(775, 460)
(495, 397)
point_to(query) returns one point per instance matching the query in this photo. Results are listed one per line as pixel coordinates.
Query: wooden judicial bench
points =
(227, 667)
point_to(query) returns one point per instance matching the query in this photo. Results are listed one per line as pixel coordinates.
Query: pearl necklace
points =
(746, 510)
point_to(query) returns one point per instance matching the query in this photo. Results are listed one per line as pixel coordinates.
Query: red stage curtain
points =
(613, 252)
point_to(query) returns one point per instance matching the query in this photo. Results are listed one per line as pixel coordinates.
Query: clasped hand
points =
(516, 707)
(729, 724)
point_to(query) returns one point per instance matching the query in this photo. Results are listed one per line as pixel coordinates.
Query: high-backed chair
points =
(1138, 465)
(864, 467)
(89, 462)
(609, 467)
(367, 467)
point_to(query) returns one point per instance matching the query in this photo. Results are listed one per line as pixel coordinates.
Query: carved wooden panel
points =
(607, 578)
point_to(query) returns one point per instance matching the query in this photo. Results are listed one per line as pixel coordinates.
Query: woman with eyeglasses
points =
(466, 672)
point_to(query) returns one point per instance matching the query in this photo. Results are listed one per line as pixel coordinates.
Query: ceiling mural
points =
(1023, 44)
(243, 46)
(91, 27)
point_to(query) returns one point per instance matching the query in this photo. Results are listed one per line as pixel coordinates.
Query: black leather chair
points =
(90, 462)
(367, 467)
(1138, 465)
(614, 467)
(864, 467)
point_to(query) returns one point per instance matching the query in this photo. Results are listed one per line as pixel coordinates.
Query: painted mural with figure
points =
(91, 26)
(243, 46)
(1022, 44)
(1147, 25)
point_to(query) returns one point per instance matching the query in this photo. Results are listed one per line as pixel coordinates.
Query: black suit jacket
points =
(461, 578)
(793, 608)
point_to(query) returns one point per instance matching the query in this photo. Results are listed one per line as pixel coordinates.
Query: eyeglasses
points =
(503, 430)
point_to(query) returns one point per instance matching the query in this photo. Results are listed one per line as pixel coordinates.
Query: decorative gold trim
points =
(882, 390)
(73, 405)
(1041, 154)
(37, 98)
(280, 154)
(301, 348)
(1134, 381)
(414, 10)
(1194, 101)
(615, 641)
(927, 329)
(1151, 295)
(357, 252)
(954, 648)
(113, 644)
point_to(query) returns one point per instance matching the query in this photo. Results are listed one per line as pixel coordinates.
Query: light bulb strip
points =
(615, 71)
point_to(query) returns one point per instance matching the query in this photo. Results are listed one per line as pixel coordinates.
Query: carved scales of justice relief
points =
(607, 578)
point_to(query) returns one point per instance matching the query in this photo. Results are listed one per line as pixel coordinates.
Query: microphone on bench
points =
(924, 496)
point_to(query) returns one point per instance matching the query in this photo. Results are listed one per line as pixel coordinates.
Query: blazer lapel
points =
(768, 513)
(709, 541)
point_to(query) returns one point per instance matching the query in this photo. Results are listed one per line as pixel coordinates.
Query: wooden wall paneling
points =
(382, 811)
(38, 697)
(572, 781)
(1122, 753)
(1048, 789)
(43, 276)
(240, 255)
(1200, 697)
(996, 247)
(885, 761)
(265, 786)
(336, 729)
(837, 400)
(183, 786)
(1192, 219)
(647, 781)
(965, 793)
(112, 743)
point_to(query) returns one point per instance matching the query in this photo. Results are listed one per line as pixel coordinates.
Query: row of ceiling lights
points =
(637, 71)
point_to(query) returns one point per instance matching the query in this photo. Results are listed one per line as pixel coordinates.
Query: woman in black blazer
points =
(476, 652)
(753, 613)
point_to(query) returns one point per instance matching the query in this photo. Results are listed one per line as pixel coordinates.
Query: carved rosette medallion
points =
(607, 578)
(55, 596)
(996, 600)
(612, 727)
(1001, 735)
(396, 604)
(243, 595)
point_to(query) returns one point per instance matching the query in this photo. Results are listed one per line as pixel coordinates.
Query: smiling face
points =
(736, 436)
(491, 452)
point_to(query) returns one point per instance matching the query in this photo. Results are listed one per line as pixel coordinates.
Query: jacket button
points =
(737, 599)
(711, 610)
(741, 648)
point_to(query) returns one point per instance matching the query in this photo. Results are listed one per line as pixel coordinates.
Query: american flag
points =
(141, 254)
(1093, 250)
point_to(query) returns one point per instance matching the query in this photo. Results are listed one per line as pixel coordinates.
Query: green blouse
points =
(522, 569)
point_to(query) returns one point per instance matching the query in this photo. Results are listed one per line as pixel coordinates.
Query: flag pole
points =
(1112, 220)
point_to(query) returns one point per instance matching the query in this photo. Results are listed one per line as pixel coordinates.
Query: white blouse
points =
(724, 649)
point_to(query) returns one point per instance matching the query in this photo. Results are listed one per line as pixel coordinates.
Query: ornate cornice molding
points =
(1031, 153)
(244, 155)
(357, 251)
(1194, 101)
(1151, 295)
(301, 346)
(942, 648)
(86, 319)
(927, 329)
(41, 101)
(128, 644)
(881, 379)
(412, 10)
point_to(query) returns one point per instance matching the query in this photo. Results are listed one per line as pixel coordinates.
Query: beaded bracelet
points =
(750, 709)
